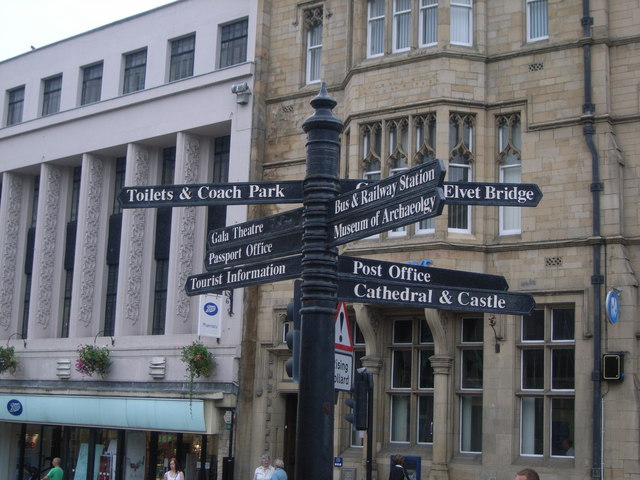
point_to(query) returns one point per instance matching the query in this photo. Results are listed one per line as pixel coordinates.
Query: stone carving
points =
(13, 186)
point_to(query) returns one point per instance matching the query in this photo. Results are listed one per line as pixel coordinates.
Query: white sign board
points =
(210, 315)
(343, 349)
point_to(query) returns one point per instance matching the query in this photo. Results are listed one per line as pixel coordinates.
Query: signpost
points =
(326, 221)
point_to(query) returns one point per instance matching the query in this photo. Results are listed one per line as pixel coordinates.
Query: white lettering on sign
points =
(258, 191)
(208, 193)
(488, 192)
(148, 195)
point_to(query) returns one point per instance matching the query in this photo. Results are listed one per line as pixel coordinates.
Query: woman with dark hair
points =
(174, 473)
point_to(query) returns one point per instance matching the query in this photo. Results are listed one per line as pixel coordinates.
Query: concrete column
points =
(87, 301)
(15, 199)
(442, 365)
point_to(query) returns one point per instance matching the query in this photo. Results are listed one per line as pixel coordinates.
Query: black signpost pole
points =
(316, 397)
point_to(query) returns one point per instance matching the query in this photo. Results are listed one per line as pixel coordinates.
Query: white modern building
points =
(164, 97)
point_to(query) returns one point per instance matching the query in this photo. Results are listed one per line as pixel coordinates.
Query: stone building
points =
(534, 91)
(160, 98)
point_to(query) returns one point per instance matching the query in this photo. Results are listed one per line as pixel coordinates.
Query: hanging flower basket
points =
(8, 360)
(92, 359)
(199, 361)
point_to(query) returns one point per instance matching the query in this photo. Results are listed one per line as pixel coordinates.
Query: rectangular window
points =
(52, 87)
(460, 160)
(91, 84)
(547, 394)
(182, 58)
(135, 71)
(509, 159)
(233, 43)
(401, 25)
(375, 28)
(411, 399)
(425, 142)
(537, 20)
(462, 22)
(15, 105)
(471, 373)
(428, 22)
(314, 53)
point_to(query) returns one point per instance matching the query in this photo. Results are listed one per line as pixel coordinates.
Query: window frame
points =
(313, 20)
(398, 23)
(423, 11)
(91, 91)
(507, 150)
(469, 393)
(529, 20)
(464, 6)
(229, 55)
(177, 69)
(375, 21)
(51, 95)
(15, 107)
(461, 146)
(131, 73)
(543, 424)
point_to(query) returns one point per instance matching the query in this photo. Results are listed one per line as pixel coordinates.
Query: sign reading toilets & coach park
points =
(301, 243)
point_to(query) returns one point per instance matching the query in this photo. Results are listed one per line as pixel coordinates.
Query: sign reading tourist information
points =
(407, 197)
(439, 297)
(241, 193)
(366, 268)
(245, 275)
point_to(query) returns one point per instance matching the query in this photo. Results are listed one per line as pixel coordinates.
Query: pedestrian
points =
(174, 473)
(397, 471)
(279, 473)
(56, 473)
(527, 474)
(264, 471)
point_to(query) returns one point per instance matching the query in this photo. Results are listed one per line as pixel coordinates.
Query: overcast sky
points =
(26, 23)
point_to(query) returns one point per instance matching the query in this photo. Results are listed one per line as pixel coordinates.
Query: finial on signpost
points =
(323, 104)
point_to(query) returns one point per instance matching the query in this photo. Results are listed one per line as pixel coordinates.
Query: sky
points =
(27, 23)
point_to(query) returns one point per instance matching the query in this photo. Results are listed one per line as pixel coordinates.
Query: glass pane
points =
(562, 369)
(532, 423)
(425, 332)
(562, 423)
(426, 371)
(533, 369)
(401, 374)
(471, 368)
(537, 10)
(400, 418)
(533, 327)
(471, 424)
(425, 419)
(472, 330)
(402, 331)
(563, 324)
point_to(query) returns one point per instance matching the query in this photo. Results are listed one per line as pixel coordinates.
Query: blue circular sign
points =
(14, 407)
(612, 305)
(210, 308)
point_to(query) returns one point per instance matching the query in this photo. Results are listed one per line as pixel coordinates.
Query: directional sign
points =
(441, 298)
(415, 181)
(475, 193)
(290, 243)
(240, 193)
(366, 268)
(501, 194)
(397, 212)
(245, 275)
(261, 229)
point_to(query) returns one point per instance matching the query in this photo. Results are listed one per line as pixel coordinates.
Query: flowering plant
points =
(92, 359)
(8, 360)
(199, 361)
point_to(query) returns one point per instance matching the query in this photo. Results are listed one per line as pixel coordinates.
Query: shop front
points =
(114, 438)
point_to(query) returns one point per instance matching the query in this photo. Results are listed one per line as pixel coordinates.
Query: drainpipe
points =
(588, 110)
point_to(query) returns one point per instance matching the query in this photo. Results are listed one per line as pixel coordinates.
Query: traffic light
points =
(292, 365)
(359, 400)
